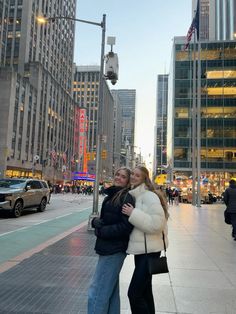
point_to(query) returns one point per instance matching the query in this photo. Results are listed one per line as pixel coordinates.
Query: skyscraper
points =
(36, 83)
(161, 123)
(128, 104)
(217, 111)
(86, 95)
(217, 19)
(117, 135)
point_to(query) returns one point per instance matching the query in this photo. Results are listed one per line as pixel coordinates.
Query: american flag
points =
(194, 26)
(53, 154)
(64, 156)
(72, 159)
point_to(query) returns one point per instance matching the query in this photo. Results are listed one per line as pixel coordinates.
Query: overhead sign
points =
(83, 176)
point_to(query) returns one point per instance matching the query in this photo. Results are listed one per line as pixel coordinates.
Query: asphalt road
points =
(17, 235)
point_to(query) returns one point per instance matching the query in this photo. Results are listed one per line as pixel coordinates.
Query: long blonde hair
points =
(147, 181)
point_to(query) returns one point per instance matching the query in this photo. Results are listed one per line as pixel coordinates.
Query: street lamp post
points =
(99, 128)
(100, 105)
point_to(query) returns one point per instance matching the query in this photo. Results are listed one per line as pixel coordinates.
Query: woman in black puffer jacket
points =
(112, 230)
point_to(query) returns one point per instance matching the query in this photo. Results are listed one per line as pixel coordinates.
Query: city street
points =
(201, 258)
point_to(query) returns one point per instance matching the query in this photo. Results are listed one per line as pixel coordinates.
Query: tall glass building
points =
(127, 99)
(161, 123)
(218, 112)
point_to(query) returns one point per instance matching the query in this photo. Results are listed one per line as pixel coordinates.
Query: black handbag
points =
(156, 264)
(227, 217)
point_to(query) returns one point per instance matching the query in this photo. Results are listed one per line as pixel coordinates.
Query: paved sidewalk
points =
(201, 255)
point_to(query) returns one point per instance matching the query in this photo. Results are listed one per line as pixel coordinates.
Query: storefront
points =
(22, 173)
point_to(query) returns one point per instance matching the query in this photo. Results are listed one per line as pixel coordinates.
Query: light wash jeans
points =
(104, 294)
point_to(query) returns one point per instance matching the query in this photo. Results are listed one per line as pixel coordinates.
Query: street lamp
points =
(44, 20)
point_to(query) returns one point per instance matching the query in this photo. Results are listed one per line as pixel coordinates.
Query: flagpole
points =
(162, 105)
(194, 123)
(199, 116)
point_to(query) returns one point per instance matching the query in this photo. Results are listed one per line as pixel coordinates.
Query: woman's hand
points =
(127, 209)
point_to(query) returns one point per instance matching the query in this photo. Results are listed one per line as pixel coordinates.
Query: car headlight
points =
(8, 195)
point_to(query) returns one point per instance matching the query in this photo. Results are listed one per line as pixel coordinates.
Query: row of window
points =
(209, 112)
(206, 165)
(206, 102)
(228, 154)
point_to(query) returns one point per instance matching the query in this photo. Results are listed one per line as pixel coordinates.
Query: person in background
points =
(149, 219)
(175, 195)
(50, 191)
(112, 230)
(230, 201)
(169, 195)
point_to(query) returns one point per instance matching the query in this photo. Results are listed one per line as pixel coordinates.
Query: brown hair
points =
(147, 181)
(117, 197)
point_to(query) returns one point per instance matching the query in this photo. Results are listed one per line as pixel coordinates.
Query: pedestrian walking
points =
(50, 186)
(175, 196)
(149, 218)
(112, 230)
(169, 194)
(230, 201)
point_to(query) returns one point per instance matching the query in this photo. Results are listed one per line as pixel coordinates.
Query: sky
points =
(144, 31)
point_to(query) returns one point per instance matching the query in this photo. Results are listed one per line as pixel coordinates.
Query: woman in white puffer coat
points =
(149, 217)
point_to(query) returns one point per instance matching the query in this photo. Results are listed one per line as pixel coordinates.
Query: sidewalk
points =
(201, 256)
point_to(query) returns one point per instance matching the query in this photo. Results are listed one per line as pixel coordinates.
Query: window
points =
(34, 185)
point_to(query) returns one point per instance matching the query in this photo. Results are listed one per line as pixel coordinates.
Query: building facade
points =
(128, 105)
(217, 19)
(161, 124)
(36, 80)
(218, 113)
(86, 95)
(117, 133)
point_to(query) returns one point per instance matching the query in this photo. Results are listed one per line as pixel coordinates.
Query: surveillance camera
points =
(113, 82)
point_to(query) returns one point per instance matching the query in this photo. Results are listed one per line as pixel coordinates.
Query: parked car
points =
(19, 194)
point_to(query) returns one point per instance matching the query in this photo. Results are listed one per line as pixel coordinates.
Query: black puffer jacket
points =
(230, 198)
(113, 234)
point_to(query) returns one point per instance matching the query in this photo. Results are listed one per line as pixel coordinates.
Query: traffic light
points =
(88, 156)
(104, 154)
(93, 155)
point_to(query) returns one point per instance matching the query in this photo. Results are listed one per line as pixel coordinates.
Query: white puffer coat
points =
(147, 217)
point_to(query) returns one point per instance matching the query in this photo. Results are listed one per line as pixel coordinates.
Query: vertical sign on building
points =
(82, 137)
(76, 134)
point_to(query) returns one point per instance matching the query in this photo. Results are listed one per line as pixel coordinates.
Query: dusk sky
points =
(144, 31)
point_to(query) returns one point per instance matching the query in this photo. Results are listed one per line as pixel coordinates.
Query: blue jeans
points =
(104, 294)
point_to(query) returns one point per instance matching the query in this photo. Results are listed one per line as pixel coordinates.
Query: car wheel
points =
(42, 205)
(17, 210)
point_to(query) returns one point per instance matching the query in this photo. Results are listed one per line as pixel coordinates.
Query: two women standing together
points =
(126, 217)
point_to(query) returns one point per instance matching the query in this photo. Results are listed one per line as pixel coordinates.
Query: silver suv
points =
(18, 194)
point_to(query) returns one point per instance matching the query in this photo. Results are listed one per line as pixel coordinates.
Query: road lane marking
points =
(42, 222)
(28, 253)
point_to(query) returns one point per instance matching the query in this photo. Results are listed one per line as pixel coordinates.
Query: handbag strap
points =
(163, 238)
